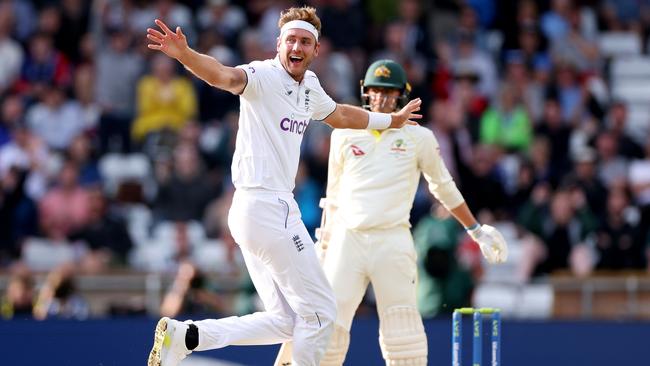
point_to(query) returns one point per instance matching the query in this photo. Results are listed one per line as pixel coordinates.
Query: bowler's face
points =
(297, 49)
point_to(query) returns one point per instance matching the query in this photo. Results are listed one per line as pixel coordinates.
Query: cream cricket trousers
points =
(282, 263)
(387, 259)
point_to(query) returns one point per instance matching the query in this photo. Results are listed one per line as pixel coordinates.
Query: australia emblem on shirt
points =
(398, 147)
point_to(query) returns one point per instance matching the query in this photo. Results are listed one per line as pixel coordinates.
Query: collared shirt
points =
(373, 177)
(275, 111)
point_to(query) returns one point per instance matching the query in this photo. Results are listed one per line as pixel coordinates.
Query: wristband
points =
(473, 227)
(378, 121)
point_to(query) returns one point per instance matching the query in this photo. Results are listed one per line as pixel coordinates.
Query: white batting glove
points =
(492, 244)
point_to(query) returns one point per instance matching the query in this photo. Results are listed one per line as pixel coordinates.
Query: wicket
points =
(477, 342)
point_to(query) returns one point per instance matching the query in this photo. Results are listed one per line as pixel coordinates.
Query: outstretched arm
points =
(206, 68)
(347, 116)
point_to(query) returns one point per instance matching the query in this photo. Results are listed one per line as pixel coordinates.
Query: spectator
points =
(617, 124)
(25, 18)
(28, 154)
(443, 284)
(585, 176)
(184, 194)
(84, 93)
(558, 133)
(44, 65)
(74, 17)
(615, 240)
(612, 168)
(105, 234)
(482, 187)
(555, 22)
(18, 218)
(227, 19)
(563, 225)
(190, 294)
(18, 299)
(59, 298)
(11, 53)
(518, 76)
(66, 207)
(569, 92)
(336, 70)
(81, 154)
(506, 124)
(165, 101)
(479, 61)
(214, 103)
(55, 119)
(115, 95)
(453, 137)
(639, 178)
(465, 94)
(573, 47)
(12, 112)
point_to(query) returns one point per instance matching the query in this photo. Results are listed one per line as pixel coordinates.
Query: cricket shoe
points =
(169, 343)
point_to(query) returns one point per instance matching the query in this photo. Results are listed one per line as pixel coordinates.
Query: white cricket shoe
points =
(168, 343)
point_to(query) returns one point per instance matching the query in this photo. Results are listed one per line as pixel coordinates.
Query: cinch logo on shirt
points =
(294, 126)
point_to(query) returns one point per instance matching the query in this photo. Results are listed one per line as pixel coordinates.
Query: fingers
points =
(155, 33)
(154, 46)
(412, 123)
(154, 38)
(414, 105)
(179, 32)
(415, 116)
(163, 26)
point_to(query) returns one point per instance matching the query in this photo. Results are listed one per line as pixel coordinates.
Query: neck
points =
(296, 78)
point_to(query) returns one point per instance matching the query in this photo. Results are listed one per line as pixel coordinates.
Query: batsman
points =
(365, 235)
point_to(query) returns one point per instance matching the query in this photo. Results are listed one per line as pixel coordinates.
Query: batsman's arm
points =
(206, 68)
(490, 241)
(441, 183)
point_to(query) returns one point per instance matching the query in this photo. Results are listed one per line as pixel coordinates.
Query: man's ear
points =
(316, 49)
(277, 45)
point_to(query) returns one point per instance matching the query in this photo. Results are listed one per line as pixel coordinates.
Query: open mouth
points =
(295, 60)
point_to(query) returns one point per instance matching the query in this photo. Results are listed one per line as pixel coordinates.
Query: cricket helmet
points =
(385, 74)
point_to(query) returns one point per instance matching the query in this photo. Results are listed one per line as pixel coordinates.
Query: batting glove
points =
(492, 244)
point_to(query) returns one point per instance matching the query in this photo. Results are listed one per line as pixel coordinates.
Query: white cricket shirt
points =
(373, 177)
(275, 111)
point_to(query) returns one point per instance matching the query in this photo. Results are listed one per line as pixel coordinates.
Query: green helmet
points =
(385, 74)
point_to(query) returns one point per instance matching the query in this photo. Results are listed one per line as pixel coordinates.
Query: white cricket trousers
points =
(282, 262)
(385, 257)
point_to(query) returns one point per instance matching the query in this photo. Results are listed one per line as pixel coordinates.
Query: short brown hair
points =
(306, 13)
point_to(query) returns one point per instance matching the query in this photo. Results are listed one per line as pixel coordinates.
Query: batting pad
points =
(338, 347)
(402, 338)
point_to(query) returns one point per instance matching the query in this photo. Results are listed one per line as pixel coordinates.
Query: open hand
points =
(173, 44)
(406, 115)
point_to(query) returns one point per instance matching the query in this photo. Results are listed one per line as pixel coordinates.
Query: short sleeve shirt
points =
(275, 111)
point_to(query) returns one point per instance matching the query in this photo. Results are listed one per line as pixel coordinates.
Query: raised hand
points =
(173, 44)
(406, 115)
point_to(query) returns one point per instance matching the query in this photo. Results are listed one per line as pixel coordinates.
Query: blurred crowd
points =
(114, 157)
